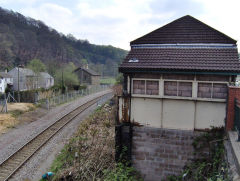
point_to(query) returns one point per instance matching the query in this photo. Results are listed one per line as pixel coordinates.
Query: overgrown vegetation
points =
(90, 154)
(90, 151)
(209, 163)
(122, 172)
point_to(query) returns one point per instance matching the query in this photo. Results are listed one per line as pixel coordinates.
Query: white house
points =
(5, 80)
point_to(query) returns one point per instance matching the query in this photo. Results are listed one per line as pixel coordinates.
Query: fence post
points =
(47, 103)
(6, 108)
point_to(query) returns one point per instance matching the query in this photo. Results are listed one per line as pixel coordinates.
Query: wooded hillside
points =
(23, 39)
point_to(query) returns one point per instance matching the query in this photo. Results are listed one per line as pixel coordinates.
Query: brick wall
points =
(157, 152)
(233, 92)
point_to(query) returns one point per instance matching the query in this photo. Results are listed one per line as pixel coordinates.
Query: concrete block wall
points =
(158, 153)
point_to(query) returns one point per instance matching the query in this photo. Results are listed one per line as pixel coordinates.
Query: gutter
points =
(178, 72)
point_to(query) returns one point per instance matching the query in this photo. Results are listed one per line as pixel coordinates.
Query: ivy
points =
(209, 163)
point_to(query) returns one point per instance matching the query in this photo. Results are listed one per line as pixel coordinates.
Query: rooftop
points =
(186, 29)
(185, 44)
(183, 59)
(91, 72)
(5, 75)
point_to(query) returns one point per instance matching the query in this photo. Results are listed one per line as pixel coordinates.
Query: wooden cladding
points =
(178, 76)
(223, 78)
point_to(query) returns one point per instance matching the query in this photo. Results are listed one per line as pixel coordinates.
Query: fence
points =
(69, 96)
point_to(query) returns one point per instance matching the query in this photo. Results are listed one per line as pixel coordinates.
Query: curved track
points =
(23, 154)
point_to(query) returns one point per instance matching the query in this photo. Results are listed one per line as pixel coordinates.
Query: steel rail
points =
(16, 160)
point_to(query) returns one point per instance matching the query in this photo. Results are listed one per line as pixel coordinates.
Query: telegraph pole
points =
(18, 85)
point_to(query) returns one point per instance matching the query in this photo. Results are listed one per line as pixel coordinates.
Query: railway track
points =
(23, 154)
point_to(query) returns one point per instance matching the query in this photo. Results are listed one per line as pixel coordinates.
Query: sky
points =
(117, 22)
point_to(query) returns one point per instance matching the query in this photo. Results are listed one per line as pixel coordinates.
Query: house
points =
(5, 81)
(23, 79)
(177, 76)
(87, 76)
(46, 80)
(26, 79)
(176, 83)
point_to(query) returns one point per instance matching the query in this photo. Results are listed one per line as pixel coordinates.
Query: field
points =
(9, 120)
(108, 80)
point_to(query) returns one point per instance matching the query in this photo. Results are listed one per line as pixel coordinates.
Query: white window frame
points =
(211, 82)
(194, 90)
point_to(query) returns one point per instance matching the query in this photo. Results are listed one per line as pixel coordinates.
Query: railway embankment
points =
(12, 141)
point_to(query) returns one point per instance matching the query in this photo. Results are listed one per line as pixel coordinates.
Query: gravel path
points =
(12, 140)
(41, 162)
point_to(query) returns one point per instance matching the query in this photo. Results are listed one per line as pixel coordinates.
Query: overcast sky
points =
(117, 22)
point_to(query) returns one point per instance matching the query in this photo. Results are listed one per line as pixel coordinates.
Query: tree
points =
(36, 66)
(84, 62)
(68, 76)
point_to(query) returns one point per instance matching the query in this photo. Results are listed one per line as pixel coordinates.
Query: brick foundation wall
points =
(157, 152)
(233, 92)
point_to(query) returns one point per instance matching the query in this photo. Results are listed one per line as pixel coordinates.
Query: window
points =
(138, 86)
(170, 88)
(204, 90)
(185, 89)
(212, 90)
(174, 88)
(152, 87)
(219, 91)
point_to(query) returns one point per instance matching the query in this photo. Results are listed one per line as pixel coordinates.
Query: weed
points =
(16, 113)
(209, 152)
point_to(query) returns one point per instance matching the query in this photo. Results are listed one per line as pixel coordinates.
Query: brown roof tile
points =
(184, 30)
(183, 59)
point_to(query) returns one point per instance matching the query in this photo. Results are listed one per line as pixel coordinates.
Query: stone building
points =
(87, 76)
(176, 81)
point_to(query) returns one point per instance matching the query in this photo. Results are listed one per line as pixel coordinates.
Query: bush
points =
(209, 164)
(122, 172)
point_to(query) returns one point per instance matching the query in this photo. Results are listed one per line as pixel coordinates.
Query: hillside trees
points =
(36, 66)
(23, 39)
